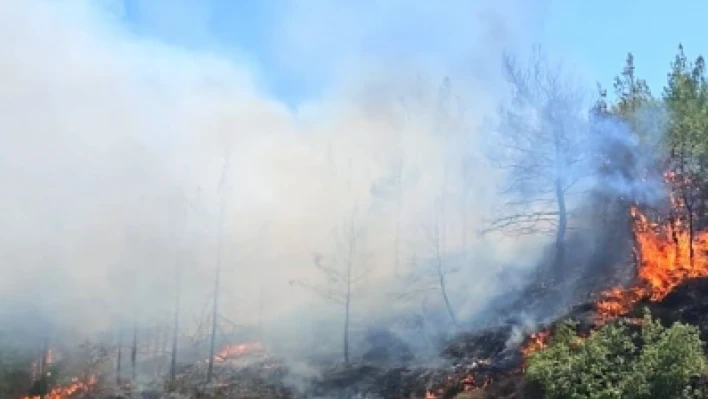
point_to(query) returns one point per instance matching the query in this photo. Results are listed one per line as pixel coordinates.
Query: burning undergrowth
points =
(76, 388)
(487, 362)
(672, 264)
(468, 362)
(669, 279)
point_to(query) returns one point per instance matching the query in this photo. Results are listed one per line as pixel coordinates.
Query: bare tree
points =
(175, 327)
(391, 187)
(119, 357)
(541, 142)
(448, 122)
(179, 269)
(134, 356)
(430, 270)
(217, 276)
(261, 306)
(439, 267)
(343, 273)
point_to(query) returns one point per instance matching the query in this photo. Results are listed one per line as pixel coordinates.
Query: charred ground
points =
(479, 364)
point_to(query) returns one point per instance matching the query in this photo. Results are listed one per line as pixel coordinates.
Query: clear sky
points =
(598, 34)
(601, 32)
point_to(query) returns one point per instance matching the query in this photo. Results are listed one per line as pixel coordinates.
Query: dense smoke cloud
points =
(113, 145)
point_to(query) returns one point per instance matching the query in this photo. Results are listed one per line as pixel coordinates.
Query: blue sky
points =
(601, 32)
(597, 34)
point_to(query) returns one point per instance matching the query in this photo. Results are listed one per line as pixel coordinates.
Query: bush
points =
(615, 362)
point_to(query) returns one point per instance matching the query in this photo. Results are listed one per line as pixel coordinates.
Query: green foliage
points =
(632, 92)
(615, 362)
(683, 107)
(686, 96)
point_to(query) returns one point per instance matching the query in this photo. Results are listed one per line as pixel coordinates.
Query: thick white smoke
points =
(108, 137)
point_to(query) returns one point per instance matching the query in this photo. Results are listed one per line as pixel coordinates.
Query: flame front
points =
(668, 254)
(67, 391)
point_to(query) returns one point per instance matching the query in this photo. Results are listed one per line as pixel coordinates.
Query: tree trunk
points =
(134, 356)
(261, 305)
(217, 282)
(562, 224)
(119, 356)
(348, 296)
(43, 367)
(175, 333)
(346, 326)
(44, 358)
(689, 211)
(156, 361)
(465, 205)
(443, 292)
(440, 245)
(214, 322)
(397, 238)
(399, 208)
(147, 339)
(560, 201)
(685, 191)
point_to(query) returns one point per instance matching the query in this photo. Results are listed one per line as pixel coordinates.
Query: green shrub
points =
(614, 362)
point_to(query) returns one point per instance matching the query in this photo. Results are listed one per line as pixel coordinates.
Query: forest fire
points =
(535, 342)
(69, 390)
(238, 350)
(667, 253)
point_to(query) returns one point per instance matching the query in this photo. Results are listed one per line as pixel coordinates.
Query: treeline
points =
(667, 137)
(672, 124)
(632, 144)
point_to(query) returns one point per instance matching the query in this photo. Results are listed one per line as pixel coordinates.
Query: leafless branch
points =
(328, 293)
(333, 275)
(542, 143)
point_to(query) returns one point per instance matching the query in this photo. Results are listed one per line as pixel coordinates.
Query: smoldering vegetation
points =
(137, 173)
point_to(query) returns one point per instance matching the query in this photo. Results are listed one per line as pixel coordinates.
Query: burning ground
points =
(130, 181)
(670, 279)
(488, 362)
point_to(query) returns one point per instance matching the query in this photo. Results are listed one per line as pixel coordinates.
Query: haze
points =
(113, 145)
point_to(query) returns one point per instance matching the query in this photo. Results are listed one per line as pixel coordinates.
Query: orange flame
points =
(432, 395)
(535, 342)
(469, 383)
(667, 254)
(69, 390)
(234, 351)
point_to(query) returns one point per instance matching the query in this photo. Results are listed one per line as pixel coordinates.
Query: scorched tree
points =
(541, 143)
(343, 272)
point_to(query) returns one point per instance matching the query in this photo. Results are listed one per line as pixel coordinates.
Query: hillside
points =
(486, 364)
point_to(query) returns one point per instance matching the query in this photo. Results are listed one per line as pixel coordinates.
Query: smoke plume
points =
(127, 124)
